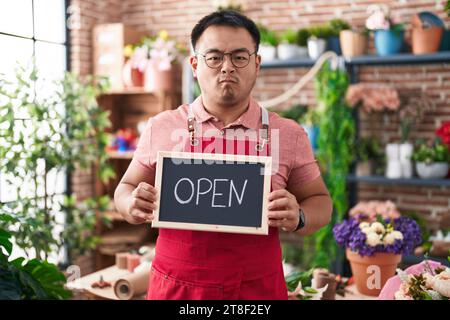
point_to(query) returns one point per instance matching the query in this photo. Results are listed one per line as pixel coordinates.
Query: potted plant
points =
(134, 67)
(162, 67)
(353, 42)
(369, 155)
(425, 36)
(288, 47)
(431, 159)
(302, 41)
(317, 42)
(376, 237)
(389, 34)
(268, 43)
(336, 26)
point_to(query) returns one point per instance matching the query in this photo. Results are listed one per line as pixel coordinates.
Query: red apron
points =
(201, 265)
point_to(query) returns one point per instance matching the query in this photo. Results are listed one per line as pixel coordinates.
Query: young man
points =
(212, 265)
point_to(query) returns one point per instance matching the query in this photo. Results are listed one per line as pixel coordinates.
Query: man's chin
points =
(228, 97)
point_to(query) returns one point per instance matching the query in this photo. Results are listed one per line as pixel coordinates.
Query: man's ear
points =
(258, 63)
(194, 63)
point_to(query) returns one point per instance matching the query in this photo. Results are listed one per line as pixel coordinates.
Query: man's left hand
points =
(283, 210)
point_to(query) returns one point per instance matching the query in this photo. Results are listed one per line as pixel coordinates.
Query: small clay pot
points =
(371, 272)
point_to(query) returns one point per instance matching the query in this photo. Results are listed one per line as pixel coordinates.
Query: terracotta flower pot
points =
(159, 80)
(426, 41)
(371, 273)
(352, 43)
(132, 77)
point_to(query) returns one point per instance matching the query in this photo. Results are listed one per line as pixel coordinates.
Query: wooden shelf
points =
(136, 90)
(411, 181)
(125, 91)
(112, 250)
(126, 233)
(113, 215)
(125, 155)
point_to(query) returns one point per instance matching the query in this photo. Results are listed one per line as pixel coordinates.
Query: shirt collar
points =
(249, 119)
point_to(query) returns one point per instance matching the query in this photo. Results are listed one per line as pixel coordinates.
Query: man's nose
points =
(227, 65)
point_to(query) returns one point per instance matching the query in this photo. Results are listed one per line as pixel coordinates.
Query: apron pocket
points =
(165, 287)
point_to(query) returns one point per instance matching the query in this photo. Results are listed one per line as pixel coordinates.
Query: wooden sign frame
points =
(266, 161)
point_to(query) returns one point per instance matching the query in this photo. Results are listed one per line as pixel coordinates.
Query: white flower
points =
(434, 295)
(429, 280)
(402, 296)
(377, 227)
(373, 239)
(366, 230)
(389, 238)
(364, 225)
(442, 284)
(403, 275)
(397, 235)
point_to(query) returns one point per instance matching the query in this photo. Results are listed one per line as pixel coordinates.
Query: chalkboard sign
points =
(212, 192)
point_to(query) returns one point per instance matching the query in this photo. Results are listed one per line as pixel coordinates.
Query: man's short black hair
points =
(225, 18)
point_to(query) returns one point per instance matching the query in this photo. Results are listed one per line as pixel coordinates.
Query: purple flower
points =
(349, 234)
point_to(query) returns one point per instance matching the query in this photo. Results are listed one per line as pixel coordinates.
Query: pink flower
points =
(377, 21)
(368, 210)
(373, 97)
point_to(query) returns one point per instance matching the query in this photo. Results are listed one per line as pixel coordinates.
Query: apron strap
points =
(191, 126)
(263, 139)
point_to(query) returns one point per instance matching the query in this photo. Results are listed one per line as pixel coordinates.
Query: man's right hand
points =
(142, 204)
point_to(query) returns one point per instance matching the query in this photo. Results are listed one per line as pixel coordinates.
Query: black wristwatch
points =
(301, 220)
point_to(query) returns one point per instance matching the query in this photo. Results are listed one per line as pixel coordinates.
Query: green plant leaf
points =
(5, 242)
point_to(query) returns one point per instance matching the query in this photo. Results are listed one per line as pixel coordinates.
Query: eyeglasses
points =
(239, 58)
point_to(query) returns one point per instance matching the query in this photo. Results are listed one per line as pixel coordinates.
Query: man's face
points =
(226, 85)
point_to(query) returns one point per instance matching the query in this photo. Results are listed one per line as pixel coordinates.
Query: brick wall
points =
(85, 14)
(178, 17)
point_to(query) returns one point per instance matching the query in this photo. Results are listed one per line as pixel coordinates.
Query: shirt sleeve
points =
(144, 151)
(304, 165)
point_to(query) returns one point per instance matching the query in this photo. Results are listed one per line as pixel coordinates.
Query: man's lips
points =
(227, 81)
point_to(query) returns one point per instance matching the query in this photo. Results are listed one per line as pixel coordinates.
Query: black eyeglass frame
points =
(223, 57)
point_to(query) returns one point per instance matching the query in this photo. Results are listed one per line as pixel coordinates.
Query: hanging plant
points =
(334, 154)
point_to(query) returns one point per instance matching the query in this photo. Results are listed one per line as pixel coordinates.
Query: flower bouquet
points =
(376, 236)
(428, 280)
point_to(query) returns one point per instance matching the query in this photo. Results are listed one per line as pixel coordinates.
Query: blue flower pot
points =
(333, 44)
(313, 135)
(388, 42)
